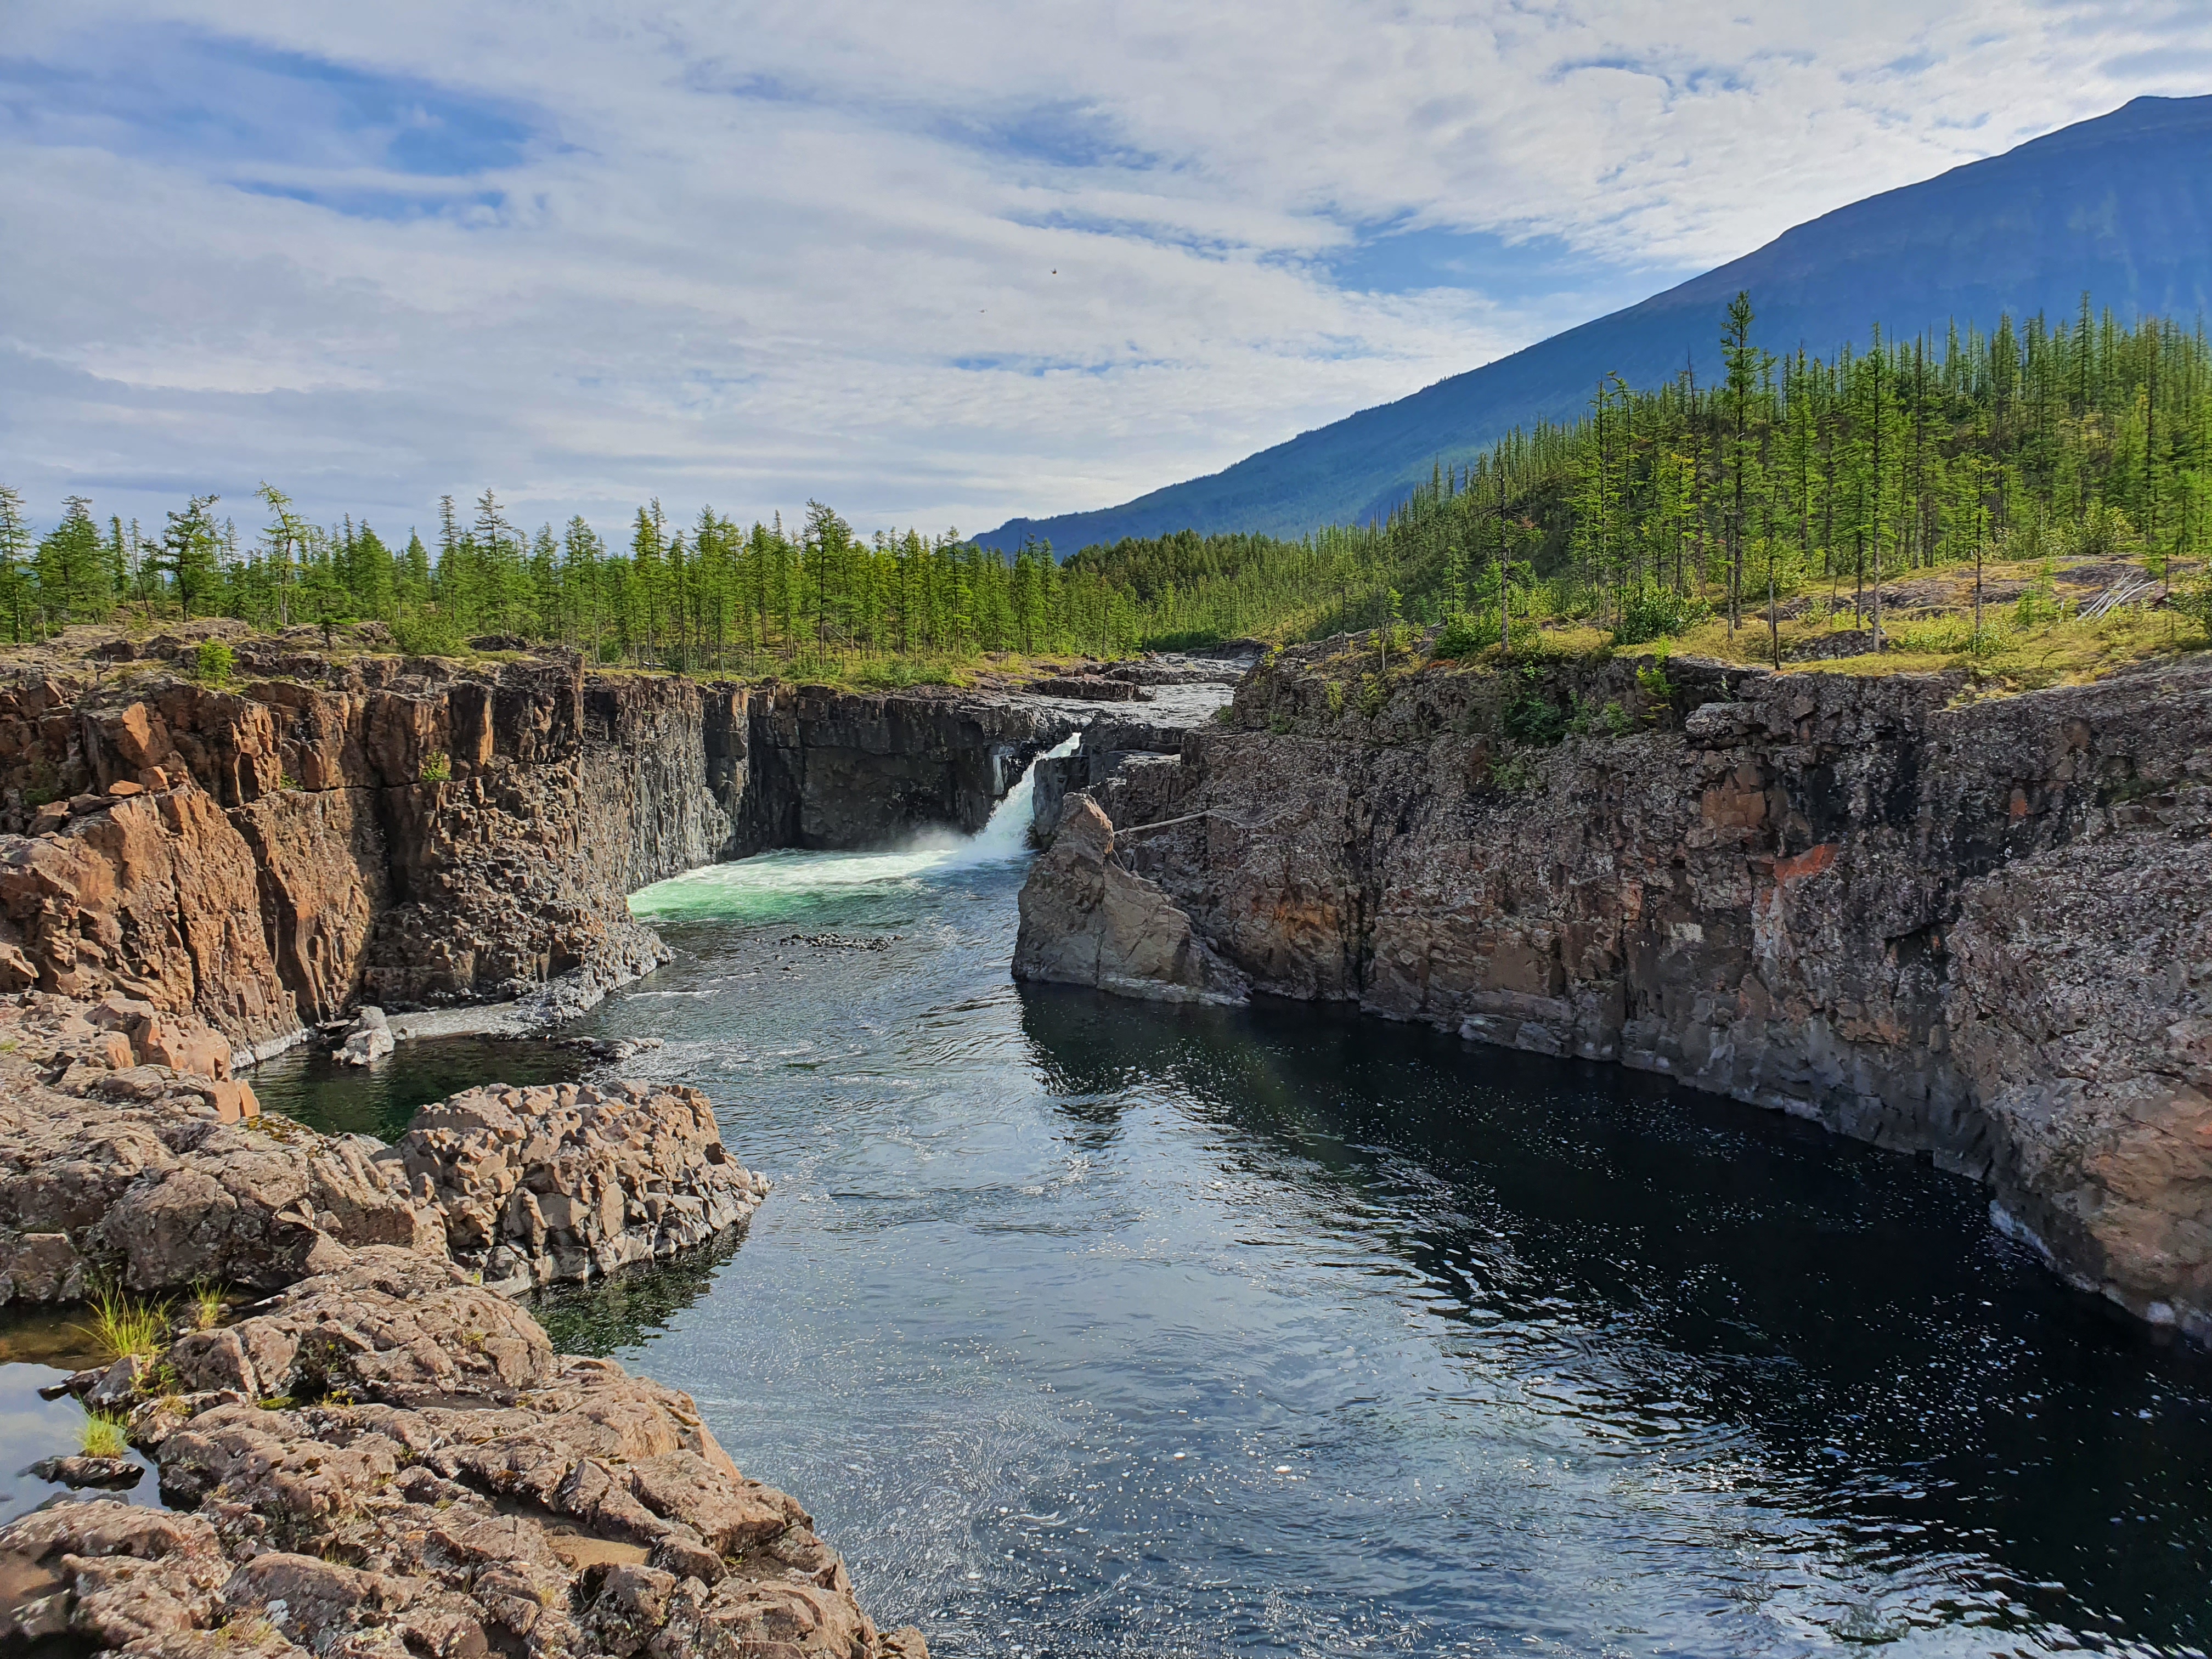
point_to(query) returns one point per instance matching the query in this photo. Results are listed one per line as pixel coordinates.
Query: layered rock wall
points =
(1979, 930)
(835, 770)
(414, 832)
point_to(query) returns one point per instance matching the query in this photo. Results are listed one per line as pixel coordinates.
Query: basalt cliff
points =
(1976, 929)
(385, 1456)
(368, 828)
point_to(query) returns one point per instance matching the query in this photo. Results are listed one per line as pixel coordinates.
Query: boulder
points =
(1087, 921)
(573, 1182)
(369, 1041)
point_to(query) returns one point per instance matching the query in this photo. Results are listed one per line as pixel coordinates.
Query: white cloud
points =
(751, 254)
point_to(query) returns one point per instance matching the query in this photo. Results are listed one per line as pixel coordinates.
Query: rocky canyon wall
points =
(1977, 930)
(416, 832)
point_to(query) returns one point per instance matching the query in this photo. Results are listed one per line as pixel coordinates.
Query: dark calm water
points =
(1085, 1327)
(307, 1084)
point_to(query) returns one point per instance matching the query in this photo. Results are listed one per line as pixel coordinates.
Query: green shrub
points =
(1513, 771)
(1467, 633)
(1336, 697)
(1533, 719)
(894, 673)
(2039, 603)
(423, 636)
(1654, 613)
(437, 767)
(2193, 601)
(213, 662)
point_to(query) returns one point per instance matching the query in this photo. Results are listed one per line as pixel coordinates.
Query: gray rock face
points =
(838, 769)
(106, 1471)
(1087, 921)
(368, 1042)
(1972, 929)
(1106, 746)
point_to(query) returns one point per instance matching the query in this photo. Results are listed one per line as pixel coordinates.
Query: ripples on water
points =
(1086, 1326)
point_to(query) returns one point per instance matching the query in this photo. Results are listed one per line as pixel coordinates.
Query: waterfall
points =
(1007, 833)
(769, 884)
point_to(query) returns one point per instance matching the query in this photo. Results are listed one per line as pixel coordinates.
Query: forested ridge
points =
(1658, 508)
(2084, 437)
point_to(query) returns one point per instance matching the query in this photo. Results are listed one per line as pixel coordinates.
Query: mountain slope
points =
(2121, 205)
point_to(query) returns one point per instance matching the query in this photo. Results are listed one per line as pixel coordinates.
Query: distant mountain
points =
(2121, 205)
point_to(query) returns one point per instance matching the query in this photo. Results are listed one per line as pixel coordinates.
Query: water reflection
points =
(309, 1087)
(1688, 1280)
(627, 1310)
(1090, 1326)
(39, 1347)
(1094, 1327)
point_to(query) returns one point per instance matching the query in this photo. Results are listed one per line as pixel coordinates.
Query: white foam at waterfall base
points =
(772, 884)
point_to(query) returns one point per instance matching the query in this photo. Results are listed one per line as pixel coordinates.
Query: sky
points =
(936, 265)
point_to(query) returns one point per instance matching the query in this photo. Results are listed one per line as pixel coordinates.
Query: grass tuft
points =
(121, 1327)
(105, 1436)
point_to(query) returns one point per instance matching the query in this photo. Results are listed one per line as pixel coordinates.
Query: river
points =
(1087, 1327)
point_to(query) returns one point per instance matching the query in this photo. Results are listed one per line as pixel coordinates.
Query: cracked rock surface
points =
(161, 1177)
(387, 1457)
(1975, 929)
(443, 1483)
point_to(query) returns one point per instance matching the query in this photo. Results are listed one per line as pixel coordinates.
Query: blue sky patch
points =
(187, 97)
(1411, 261)
(392, 205)
(1054, 135)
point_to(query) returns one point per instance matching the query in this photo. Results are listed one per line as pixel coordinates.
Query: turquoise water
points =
(1086, 1326)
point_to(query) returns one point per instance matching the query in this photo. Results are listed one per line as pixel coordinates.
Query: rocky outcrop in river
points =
(409, 1469)
(414, 832)
(128, 1156)
(387, 1457)
(1971, 928)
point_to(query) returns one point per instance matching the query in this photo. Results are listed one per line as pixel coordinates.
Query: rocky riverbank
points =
(412, 833)
(386, 1456)
(1970, 928)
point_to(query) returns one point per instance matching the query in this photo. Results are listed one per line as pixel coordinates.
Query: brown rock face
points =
(455, 1488)
(543, 1184)
(161, 1175)
(1970, 930)
(413, 833)
(387, 1458)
